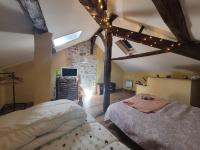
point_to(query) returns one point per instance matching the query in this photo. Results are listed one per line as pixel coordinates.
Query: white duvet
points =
(20, 128)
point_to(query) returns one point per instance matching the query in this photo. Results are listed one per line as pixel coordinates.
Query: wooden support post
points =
(92, 40)
(141, 29)
(107, 69)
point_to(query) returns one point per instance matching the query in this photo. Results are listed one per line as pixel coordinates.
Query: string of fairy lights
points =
(146, 39)
(104, 21)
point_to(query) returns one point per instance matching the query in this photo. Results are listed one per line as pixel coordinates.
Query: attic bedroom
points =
(99, 74)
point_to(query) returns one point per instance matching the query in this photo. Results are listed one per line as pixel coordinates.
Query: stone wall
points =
(80, 57)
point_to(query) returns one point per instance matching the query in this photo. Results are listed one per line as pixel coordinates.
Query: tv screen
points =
(69, 72)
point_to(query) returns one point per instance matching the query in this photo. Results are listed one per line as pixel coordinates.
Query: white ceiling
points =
(67, 16)
(15, 48)
(16, 39)
(133, 13)
(13, 18)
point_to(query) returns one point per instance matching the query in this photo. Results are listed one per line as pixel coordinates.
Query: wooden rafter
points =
(141, 29)
(97, 9)
(144, 39)
(93, 39)
(34, 12)
(189, 49)
(172, 14)
(142, 55)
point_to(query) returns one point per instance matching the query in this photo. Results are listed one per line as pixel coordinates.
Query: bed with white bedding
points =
(55, 125)
(173, 127)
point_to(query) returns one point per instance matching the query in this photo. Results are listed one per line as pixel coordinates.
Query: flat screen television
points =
(69, 72)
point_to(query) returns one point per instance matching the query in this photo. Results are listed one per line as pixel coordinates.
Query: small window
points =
(129, 84)
(67, 38)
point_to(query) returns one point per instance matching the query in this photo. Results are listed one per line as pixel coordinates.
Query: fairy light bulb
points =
(168, 49)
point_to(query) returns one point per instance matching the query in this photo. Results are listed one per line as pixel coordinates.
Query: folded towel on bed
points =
(146, 106)
(21, 127)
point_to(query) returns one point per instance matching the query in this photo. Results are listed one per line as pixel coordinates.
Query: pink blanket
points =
(146, 106)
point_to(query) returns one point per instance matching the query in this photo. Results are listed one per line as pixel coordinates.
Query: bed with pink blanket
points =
(156, 124)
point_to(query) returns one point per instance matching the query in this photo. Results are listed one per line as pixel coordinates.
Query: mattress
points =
(174, 127)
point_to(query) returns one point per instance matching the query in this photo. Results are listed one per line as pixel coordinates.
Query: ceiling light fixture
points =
(67, 38)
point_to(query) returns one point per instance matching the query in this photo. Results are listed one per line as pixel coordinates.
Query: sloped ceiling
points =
(15, 48)
(133, 13)
(67, 16)
(16, 38)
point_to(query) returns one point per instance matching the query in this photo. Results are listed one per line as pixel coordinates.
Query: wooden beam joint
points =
(141, 29)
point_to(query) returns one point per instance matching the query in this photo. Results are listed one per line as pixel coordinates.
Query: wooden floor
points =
(94, 105)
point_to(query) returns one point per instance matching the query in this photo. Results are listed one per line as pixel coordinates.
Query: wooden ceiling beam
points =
(34, 12)
(98, 32)
(141, 29)
(98, 10)
(144, 39)
(88, 3)
(92, 43)
(157, 52)
(164, 45)
(172, 14)
(113, 16)
(191, 49)
(94, 37)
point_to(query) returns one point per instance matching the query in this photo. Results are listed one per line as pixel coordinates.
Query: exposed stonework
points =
(80, 57)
